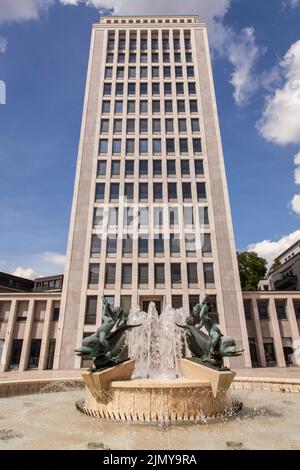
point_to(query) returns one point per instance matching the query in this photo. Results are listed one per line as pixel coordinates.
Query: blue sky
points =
(44, 48)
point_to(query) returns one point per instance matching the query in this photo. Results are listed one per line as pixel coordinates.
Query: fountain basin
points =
(185, 399)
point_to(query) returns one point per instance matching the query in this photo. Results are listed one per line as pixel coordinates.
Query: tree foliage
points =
(252, 269)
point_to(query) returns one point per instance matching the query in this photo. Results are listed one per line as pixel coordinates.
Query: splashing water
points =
(158, 344)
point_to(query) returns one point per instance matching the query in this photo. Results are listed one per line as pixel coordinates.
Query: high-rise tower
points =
(151, 217)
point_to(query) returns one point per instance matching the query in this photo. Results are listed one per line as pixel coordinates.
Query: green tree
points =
(252, 269)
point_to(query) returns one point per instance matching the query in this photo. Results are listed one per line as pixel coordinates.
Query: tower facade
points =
(151, 217)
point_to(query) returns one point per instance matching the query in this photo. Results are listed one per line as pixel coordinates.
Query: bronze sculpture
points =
(107, 347)
(212, 348)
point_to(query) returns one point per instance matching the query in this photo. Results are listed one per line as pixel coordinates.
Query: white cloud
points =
(271, 249)
(295, 204)
(53, 258)
(22, 10)
(297, 170)
(27, 273)
(294, 3)
(3, 44)
(243, 53)
(280, 121)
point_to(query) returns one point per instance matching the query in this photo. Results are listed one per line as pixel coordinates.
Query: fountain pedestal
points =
(202, 392)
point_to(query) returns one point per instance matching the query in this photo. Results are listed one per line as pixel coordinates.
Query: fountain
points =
(142, 370)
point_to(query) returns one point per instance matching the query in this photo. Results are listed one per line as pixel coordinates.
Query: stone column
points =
(292, 319)
(27, 337)
(9, 336)
(260, 343)
(45, 338)
(276, 334)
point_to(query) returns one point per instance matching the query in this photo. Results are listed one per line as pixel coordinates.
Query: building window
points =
(34, 353)
(174, 243)
(116, 146)
(158, 216)
(115, 168)
(131, 89)
(143, 244)
(110, 274)
(155, 89)
(170, 144)
(155, 58)
(199, 168)
(195, 125)
(155, 106)
(172, 191)
(144, 72)
(96, 244)
(126, 303)
(143, 88)
(143, 217)
(156, 146)
(143, 191)
(208, 271)
(167, 72)
(103, 146)
(206, 244)
(100, 189)
(185, 167)
(157, 170)
(179, 89)
(168, 106)
(98, 217)
(114, 192)
(156, 126)
(201, 191)
(297, 309)
(144, 58)
(171, 168)
(186, 191)
(127, 244)
(143, 146)
(128, 191)
(107, 89)
(128, 216)
(55, 314)
(94, 274)
(178, 72)
(193, 301)
(129, 146)
(111, 244)
(263, 309)
(101, 168)
(143, 126)
(130, 126)
(248, 309)
(197, 146)
(182, 125)
(192, 88)
(120, 72)
(190, 244)
(129, 168)
(158, 244)
(106, 107)
(281, 309)
(180, 106)
(155, 72)
(157, 191)
(131, 107)
(176, 273)
(132, 58)
(168, 88)
(118, 107)
(117, 126)
(188, 216)
(270, 352)
(173, 216)
(143, 274)
(192, 273)
(90, 310)
(169, 129)
(176, 301)
(143, 167)
(113, 216)
(183, 145)
(104, 126)
(132, 72)
(159, 273)
(126, 274)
